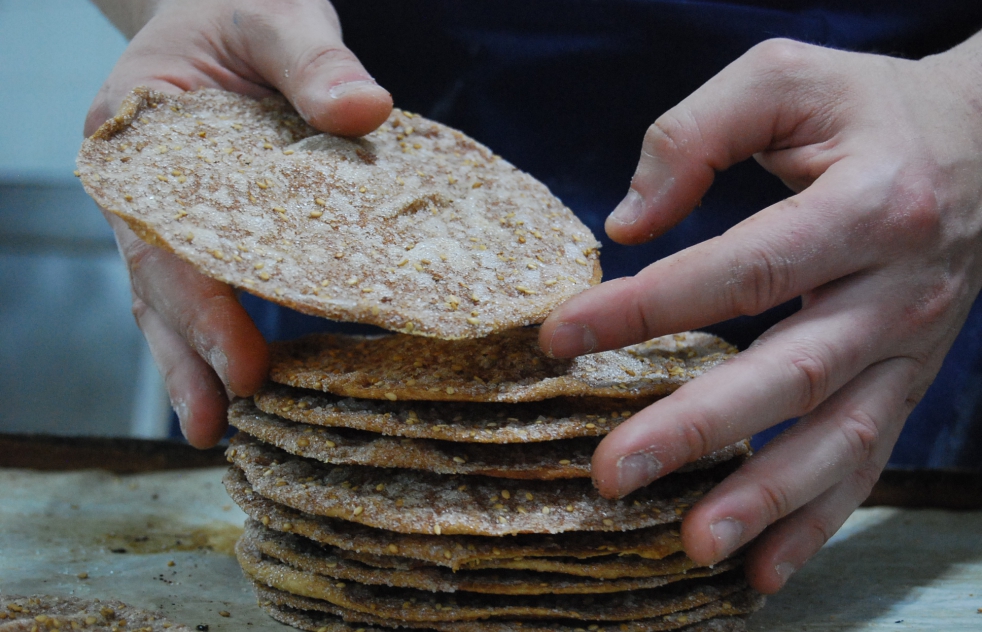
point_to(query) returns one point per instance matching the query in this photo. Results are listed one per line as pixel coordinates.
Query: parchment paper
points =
(887, 569)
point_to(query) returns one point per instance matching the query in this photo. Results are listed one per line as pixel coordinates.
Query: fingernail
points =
(785, 570)
(350, 87)
(728, 534)
(181, 409)
(629, 210)
(636, 470)
(571, 339)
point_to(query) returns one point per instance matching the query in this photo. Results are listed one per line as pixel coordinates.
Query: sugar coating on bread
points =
(414, 227)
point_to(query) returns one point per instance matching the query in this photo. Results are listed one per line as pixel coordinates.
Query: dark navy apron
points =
(566, 89)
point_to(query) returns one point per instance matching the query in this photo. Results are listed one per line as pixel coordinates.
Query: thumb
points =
(772, 97)
(297, 47)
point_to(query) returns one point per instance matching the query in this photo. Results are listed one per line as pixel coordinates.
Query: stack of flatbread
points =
(437, 478)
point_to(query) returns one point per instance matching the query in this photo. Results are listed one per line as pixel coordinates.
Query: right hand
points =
(204, 343)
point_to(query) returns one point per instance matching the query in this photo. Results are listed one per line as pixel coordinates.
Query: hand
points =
(203, 341)
(881, 240)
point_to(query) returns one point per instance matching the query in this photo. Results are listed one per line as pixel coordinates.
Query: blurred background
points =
(72, 361)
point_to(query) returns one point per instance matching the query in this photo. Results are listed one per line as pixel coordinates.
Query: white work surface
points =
(887, 569)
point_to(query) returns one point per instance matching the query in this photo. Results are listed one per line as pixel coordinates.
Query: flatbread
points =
(49, 612)
(568, 458)
(505, 367)
(414, 227)
(607, 567)
(638, 553)
(304, 555)
(408, 604)
(564, 458)
(461, 422)
(322, 616)
(411, 501)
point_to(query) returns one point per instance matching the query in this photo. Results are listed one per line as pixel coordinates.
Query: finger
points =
(786, 545)
(196, 394)
(202, 311)
(724, 122)
(832, 229)
(249, 48)
(794, 367)
(851, 430)
(297, 47)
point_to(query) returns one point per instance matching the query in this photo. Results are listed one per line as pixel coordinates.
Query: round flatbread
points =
(411, 501)
(414, 227)
(727, 615)
(505, 367)
(564, 458)
(408, 604)
(305, 555)
(607, 567)
(639, 553)
(50, 612)
(460, 422)
(568, 458)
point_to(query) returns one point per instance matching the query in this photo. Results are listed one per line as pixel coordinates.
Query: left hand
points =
(202, 339)
(881, 240)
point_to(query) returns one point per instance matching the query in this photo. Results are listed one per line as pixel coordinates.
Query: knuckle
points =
(914, 206)
(861, 433)
(638, 315)
(281, 6)
(781, 55)
(812, 370)
(199, 325)
(763, 280)
(140, 311)
(933, 306)
(774, 500)
(914, 398)
(319, 56)
(671, 133)
(865, 478)
(699, 435)
(816, 532)
(279, 12)
(141, 260)
(138, 255)
(802, 71)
